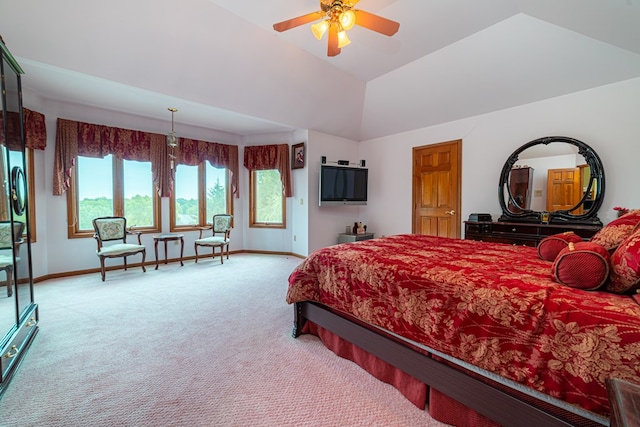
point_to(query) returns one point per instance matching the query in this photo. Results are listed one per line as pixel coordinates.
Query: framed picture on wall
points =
(297, 156)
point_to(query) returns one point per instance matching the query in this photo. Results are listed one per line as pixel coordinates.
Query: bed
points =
(482, 327)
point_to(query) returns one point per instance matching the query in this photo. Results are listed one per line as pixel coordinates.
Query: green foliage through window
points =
(98, 193)
(200, 192)
(268, 197)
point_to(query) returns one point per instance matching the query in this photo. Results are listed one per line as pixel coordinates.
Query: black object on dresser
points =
(346, 238)
(522, 233)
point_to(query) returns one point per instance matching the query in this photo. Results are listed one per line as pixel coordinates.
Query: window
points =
(139, 192)
(266, 199)
(110, 186)
(199, 193)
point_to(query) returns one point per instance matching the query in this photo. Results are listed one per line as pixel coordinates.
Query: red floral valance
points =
(35, 131)
(263, 157)
(75, 139)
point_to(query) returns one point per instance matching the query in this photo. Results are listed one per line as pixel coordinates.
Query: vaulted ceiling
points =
(224, 67)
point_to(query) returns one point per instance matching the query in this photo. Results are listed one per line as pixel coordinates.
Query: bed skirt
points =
(441, 406)
(412, 389)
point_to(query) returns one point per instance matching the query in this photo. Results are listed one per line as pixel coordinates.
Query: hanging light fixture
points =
(172, 140)
(340, 15)
(336, 17)
(319, 28)
(347, 19)
(343, 40)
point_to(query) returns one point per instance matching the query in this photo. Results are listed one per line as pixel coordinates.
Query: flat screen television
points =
(343, 185)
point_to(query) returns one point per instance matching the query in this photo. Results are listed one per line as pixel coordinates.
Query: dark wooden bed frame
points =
(489, 401)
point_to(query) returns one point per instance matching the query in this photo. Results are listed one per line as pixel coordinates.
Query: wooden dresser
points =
(522, 233)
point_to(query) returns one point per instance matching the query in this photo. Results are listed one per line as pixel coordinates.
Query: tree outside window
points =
(199, 193)
(110, 186)
(266, 199)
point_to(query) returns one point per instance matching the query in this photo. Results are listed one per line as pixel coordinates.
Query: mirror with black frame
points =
(18, 311)
(554, 179)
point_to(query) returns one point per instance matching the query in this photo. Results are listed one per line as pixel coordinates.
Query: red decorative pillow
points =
(625, 266)
(582, 265)
(612, 234)
(550, 246)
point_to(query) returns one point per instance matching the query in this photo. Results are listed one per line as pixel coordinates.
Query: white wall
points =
(301, 201)
(606, 118)
(276, 239)
(326, 222)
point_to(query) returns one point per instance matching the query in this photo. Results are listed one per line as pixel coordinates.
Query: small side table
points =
(165, 238)
(345, 238)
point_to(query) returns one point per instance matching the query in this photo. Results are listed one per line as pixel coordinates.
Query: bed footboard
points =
(489, 401)
(298, 319)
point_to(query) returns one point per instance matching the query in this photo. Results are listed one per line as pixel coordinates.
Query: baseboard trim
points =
(151, 264)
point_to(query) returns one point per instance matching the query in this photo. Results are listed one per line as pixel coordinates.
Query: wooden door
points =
(437, 189)
(563, 189)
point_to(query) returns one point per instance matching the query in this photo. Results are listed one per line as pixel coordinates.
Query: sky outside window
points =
(95, 178)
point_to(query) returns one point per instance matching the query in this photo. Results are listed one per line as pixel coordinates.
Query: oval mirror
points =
(552, 179)
(18, 190)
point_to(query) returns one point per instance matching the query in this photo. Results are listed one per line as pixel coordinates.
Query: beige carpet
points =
(201, 345)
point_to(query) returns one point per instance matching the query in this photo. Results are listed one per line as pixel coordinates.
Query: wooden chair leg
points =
(9, 272)
(144, 255)
(125, 263)
(195, 248)
(102, 268)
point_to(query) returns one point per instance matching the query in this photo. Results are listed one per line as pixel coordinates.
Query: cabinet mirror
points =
(18, 311)
(552, 180)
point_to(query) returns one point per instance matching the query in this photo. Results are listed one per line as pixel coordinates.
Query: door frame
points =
(458, 144)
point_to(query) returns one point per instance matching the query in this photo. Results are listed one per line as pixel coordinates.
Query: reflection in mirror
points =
(520, 188)
(15, 274)
(556, 175)
(8, 317)
(18, 312)
(18, 195)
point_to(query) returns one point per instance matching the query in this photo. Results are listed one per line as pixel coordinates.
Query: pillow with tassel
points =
(582, 265)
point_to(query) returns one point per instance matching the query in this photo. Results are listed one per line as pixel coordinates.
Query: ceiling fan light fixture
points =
(343, 40)
(172, 140)
(335, 17)
(347, 19)
(319, 28)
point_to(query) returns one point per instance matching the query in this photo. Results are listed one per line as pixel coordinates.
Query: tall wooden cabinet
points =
(18, 311)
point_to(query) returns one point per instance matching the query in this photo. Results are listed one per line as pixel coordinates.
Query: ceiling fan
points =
(337, 16)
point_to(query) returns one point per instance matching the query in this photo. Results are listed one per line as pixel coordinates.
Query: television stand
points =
(346, 238)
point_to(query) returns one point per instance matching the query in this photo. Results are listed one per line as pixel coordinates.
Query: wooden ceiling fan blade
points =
(333, 49)
(376, 23)
(296, 22)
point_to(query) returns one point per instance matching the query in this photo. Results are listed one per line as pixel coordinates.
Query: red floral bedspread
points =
(489, 304)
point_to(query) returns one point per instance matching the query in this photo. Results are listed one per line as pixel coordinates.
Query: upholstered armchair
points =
(221, 228)
(111, 235)
(9, 251)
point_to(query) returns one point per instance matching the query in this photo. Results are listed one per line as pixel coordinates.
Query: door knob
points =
(451, 212)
